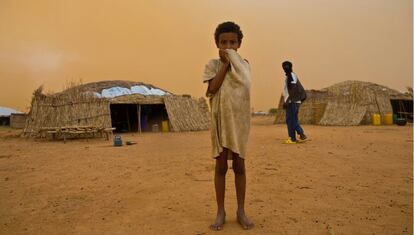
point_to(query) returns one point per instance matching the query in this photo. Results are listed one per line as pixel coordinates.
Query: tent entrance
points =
(124, 117)
(137, 118)
(403, 109)
(152, 114)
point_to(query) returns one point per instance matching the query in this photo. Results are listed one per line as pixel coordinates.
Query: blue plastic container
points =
(117, 140)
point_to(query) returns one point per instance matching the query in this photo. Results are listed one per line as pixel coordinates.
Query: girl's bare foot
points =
(244, 221)
(218, 224)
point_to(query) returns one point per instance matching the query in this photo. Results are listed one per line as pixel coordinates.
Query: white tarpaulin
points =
(7, 111)
(119, 91)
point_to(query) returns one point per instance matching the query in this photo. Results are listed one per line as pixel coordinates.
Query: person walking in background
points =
(294, 94)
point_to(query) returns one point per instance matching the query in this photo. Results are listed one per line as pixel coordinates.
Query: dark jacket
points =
(296, 91)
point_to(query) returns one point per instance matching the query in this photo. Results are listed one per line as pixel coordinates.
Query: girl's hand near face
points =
(224, 57)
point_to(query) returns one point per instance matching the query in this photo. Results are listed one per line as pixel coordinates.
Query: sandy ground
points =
(344, 180)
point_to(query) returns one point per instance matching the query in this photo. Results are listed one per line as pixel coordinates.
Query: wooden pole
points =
(139, 118)
(402, 108)
(129, 124)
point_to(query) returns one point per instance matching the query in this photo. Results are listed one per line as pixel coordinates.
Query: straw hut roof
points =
(112, 91)
(351, 86)
(101, 85)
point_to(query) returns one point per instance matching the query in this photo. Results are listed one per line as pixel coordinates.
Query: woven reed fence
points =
(187, 114)
(66, 110)
(310, 111)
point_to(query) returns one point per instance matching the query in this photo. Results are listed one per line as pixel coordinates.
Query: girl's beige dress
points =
(230, 106)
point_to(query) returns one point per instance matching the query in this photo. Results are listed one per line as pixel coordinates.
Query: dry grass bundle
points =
(137, 99)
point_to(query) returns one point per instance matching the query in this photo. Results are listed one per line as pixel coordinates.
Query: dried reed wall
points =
(187, 114)
(354, 103)
(66, 110)
(310, 111)
(18, 120)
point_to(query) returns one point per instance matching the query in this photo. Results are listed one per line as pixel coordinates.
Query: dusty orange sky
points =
(167, 43)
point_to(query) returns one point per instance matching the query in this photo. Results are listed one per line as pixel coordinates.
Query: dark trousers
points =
(292, 121)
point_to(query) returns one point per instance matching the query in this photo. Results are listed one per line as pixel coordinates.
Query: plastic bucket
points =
(401, 121)
(155, 128)
(165, 126)
(388, 119)
(376, 119)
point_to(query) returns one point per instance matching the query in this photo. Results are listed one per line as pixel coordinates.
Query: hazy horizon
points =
(168, 43)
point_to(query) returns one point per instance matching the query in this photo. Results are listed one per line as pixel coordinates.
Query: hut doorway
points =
(4, 120)
(403, 109)
(152, 116)
(135, 117)
(124, 117)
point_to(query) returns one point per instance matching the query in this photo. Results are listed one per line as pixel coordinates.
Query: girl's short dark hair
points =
(228, 27)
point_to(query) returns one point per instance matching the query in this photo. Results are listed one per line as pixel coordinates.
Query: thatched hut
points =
(351, 103)
(124, 105)
(7, 116)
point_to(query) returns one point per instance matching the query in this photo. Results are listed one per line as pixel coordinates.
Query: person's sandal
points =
(290, 141)
(302, 138)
